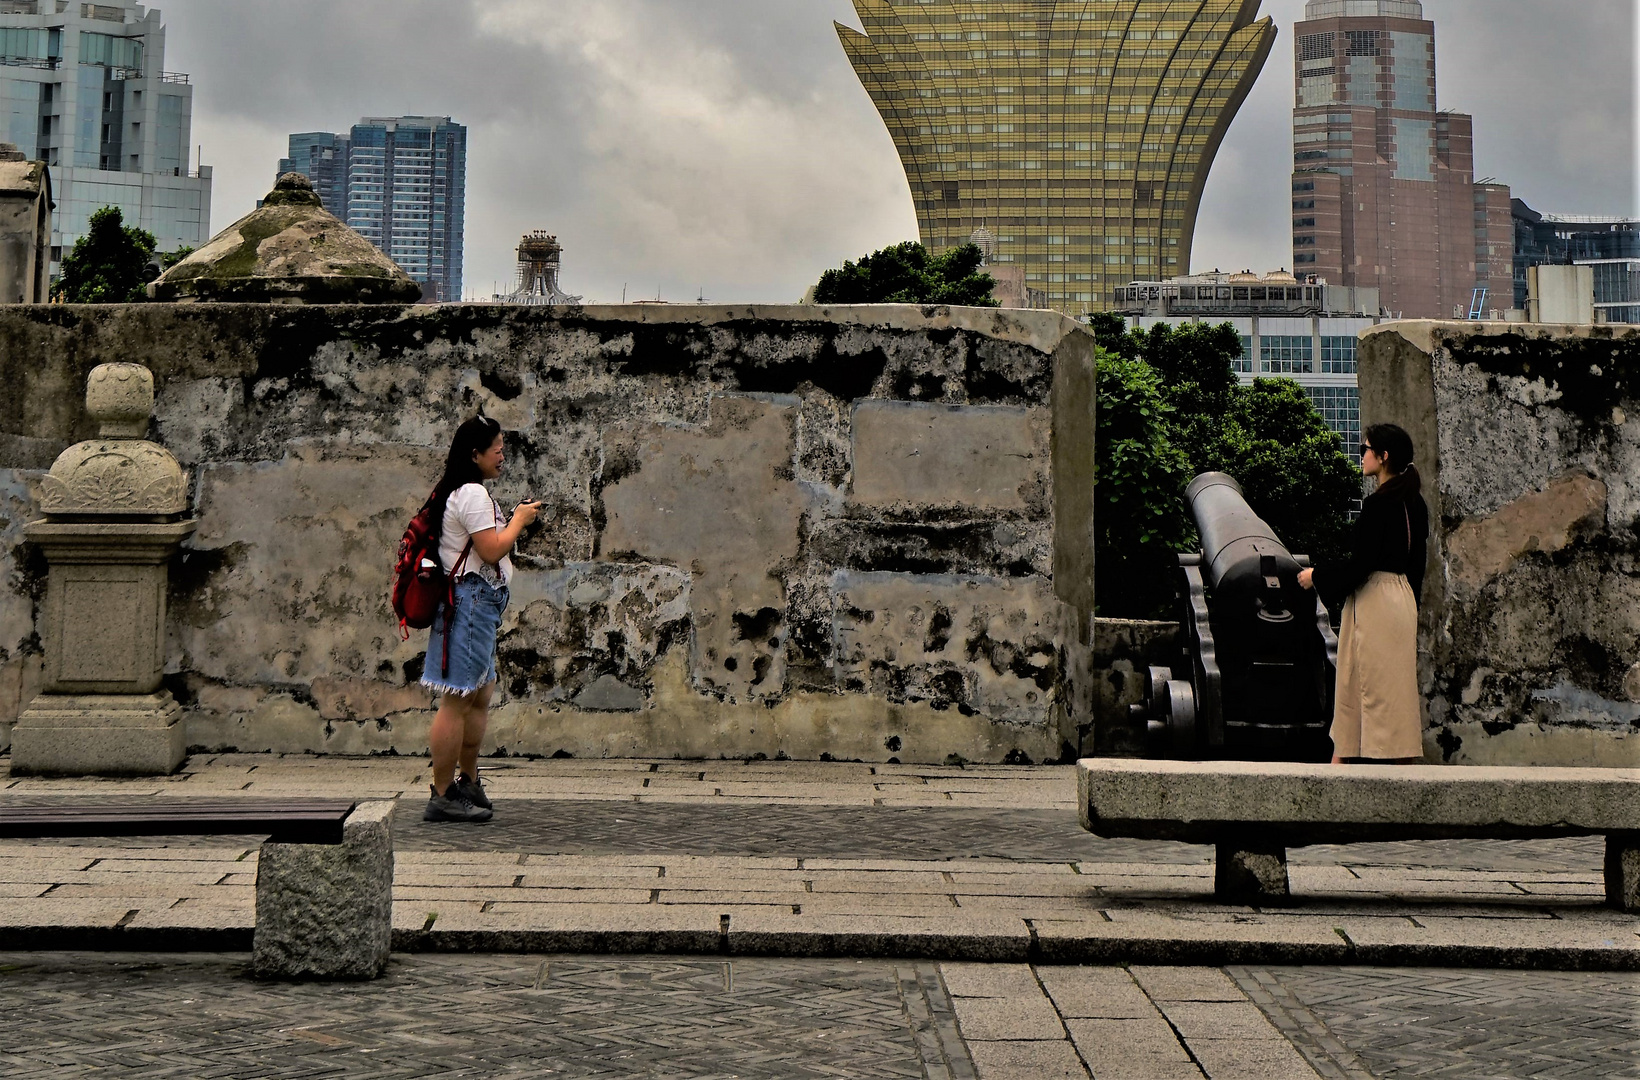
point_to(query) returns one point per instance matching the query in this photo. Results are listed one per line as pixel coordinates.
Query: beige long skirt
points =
(1378, 712)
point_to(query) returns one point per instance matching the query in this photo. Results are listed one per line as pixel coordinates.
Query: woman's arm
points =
(493, 545)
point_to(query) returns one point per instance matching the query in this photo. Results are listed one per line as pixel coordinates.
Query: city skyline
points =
(733, 148)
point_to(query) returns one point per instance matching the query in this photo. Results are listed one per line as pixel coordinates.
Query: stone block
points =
(1026, 1061)
(985, 643)
(1249, 876)
(1029, 1016)
(1206, 802)
(99, 735)
(916, 455)
(1086, 993)
(1187, 984)
(325, 911)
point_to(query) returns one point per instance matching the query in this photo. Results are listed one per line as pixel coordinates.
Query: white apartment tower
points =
(84, 88)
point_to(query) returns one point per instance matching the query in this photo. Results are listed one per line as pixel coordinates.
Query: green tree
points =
(907, 274)
(1269, 436)
(1141, 477)
(109, 264)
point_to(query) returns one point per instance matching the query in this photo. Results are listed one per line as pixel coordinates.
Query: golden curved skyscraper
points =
(1077, 134)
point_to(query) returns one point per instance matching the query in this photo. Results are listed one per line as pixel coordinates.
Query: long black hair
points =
(476, 436)
(1395, 446)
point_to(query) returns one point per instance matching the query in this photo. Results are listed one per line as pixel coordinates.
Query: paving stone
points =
(1239, 1019)
(1237, 1059)
(1014, 1018)
(958, 936)
(990, 980)
(1095, 993)
(1167, 984)
(1027, 1061)
(1104, 1042)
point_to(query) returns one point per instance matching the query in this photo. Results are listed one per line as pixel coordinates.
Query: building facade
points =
(1608, 244)
(1384, 192)
(401, 182)
(1078, 134)
(83, 87)
(1303, 330)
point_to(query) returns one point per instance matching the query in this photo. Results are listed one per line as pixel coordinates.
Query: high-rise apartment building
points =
(1608, 243)
(402, 183)
(1077, 134)
(84, 88)
(322, 157)
(1384, 192)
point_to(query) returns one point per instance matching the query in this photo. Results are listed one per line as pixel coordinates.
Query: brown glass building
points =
(1384, 192)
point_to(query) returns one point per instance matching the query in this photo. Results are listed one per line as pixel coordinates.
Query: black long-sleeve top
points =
(1392, 534)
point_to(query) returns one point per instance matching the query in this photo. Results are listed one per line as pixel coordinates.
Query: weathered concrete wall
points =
(1529, 441)
(857, 533)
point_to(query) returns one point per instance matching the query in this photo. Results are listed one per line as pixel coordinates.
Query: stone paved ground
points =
(194, 1016)
(749, 867)
(790, 858)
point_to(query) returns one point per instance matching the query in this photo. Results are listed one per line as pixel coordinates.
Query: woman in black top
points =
(1378, 715)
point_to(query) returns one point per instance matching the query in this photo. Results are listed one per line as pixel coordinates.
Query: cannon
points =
(1258, 656)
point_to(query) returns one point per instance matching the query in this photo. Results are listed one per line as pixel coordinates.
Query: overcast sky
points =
(725, 146)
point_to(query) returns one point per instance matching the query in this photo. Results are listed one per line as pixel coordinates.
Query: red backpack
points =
(419, 581)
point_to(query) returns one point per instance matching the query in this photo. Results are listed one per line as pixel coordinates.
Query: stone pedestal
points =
(325, 911)
(113, 520)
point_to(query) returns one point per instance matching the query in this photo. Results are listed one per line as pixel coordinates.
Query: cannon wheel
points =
(1206, 681)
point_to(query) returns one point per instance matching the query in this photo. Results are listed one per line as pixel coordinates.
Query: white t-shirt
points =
(471, 510)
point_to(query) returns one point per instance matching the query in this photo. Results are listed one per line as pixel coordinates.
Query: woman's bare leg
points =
(477, 721)
(446, 738)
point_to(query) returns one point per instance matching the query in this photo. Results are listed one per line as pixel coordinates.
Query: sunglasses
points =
(1365, 448)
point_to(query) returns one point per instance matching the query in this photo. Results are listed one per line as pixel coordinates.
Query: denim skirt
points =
(472, 627)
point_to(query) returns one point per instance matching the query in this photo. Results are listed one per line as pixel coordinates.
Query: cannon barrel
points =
(1232, 535)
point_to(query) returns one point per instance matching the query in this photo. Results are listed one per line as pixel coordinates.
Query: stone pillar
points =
(115, 514)
(25, 228)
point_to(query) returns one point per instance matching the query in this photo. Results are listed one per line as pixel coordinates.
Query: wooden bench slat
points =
(314, 821)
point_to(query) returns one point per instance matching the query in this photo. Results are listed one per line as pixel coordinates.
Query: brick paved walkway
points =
(579, 1016)
(810, 860)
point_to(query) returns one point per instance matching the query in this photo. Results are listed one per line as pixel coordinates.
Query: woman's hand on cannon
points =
(1306, 578)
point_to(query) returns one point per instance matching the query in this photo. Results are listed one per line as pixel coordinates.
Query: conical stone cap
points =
(289, 250)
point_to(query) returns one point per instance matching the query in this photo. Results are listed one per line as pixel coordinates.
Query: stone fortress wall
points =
(859, 534)
(1529, 442)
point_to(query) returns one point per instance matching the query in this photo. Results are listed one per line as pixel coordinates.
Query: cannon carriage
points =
(1258, 656)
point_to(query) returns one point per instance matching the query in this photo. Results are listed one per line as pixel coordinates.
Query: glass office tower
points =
(402, 183)
(1077, 134)
(83, 87)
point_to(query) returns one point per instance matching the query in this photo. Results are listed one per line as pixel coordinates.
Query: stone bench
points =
(324, 878)
(1252, 812)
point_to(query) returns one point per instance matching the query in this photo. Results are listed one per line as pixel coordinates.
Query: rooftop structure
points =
(540, 257)
(86, 91)
(1078, 136)
(1384, 192)
(1294, 328)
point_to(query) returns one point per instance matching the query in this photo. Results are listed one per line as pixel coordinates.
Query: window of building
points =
(1244, 362)
(1338, 355)
(1340, 408)
(1283, 354)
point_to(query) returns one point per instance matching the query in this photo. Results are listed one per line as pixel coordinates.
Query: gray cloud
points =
(725, 145)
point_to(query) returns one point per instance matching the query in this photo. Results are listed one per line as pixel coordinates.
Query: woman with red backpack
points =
(473, 547)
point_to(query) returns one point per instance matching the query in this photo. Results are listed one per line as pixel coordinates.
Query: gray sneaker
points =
(473, 790)
(453, 805)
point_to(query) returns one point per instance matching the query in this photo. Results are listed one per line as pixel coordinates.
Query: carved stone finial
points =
(121, 398)
(117, 474)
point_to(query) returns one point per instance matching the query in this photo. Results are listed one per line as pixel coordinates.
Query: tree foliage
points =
(1171, 408)
(112, 263)
(907, 274)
